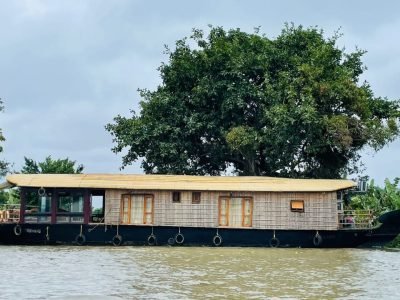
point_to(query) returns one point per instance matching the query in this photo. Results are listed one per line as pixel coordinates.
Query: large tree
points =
(292, 106)
(51, 166)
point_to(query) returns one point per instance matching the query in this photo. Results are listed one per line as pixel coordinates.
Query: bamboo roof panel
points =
(178, 182)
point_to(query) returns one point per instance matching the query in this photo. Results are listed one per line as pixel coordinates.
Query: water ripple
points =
(197, 273)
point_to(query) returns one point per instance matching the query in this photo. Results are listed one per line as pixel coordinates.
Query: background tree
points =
(48, 166)
(51, 166)
(7, 197)
(291, 106)
(3, 164)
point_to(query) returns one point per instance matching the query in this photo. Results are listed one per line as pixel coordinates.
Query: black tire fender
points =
(179, 238)
(152, 240)
(171, 241)
(17, 230)
(80, 239)
(217, 240)
(117, 240)
(274, 242)
(317, 240)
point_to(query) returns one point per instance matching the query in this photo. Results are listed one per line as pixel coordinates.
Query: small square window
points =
(297, 205)
(176, 197)
(196, 197)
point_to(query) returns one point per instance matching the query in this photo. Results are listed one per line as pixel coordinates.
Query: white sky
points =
(68, 67)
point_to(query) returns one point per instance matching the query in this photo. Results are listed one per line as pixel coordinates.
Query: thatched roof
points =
(177, 182)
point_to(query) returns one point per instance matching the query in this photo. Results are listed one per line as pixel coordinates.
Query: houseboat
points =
(101, 209)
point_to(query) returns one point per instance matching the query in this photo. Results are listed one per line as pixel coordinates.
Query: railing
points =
(97, 218)
(34, 214)
(69, 218)
(355, 219)
(9, 213)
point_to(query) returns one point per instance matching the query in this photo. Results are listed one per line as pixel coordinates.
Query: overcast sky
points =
(68, 67)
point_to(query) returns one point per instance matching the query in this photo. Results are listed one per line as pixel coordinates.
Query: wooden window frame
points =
(179, 196)
(122, 209)
(226, 211)
(146, 198)
(244, 215)
(296, 209)
(196, 197)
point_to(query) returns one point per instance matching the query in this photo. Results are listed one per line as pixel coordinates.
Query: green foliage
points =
(3, 164)
(378, 200)
(244, 140)
(290, 106)
(51, 166)
(3, 197)
(97, 211)
(10, 196)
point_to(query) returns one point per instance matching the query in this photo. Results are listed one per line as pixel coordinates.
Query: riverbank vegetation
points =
(378, 199)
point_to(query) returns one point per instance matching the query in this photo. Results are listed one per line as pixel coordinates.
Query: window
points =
(70, 207)
(137, 209)
(196, 197)
(125, 209)
(223, 211)
(247, 213)
(72, 203)
(339, 200)
(297, 205)
(97, 203)
(38, 204)
(235, 212)
(176, 197)
(38, 207)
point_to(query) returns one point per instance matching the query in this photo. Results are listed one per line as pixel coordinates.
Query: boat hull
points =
(100, 234)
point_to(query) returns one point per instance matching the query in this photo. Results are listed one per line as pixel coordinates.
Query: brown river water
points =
(197, 273)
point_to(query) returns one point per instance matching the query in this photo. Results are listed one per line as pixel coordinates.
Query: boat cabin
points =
(182, 201)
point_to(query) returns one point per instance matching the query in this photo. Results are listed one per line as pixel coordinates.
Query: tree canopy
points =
(292, 106)
(51, 166)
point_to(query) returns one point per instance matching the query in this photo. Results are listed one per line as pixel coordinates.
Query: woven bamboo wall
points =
(270, 210)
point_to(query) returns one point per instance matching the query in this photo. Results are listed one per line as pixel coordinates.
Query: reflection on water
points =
(194, 273)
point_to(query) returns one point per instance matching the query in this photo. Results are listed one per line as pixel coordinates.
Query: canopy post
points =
(86, 207)
(22, 206)
(54, 206)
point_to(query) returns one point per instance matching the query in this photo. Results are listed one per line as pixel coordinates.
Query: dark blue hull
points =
(76, 234)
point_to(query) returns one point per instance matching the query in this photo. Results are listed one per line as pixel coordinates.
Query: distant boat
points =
(101, 209)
